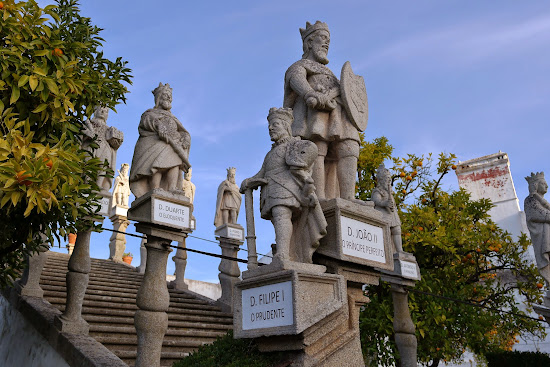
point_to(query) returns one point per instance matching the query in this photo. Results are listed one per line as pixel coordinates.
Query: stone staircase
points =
(110, 304)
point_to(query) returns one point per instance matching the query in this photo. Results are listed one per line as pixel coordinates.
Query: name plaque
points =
(105, 205)
(171, 214)
(408, 269)
(267, 306)
(235, 233)
(362, 240)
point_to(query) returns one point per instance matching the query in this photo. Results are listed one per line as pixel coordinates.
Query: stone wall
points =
(21, 344)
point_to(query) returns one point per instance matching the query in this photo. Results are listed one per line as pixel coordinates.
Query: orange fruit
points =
(419, 163)
(414, 173)
(424, 201)
(469, 256)
(402, 174)
(420, 228)
(1, 5)
(49, 162)
(57, 52)
(408, 178)
(404, 191)
(453, 166)
(539, 285)
(21, 178)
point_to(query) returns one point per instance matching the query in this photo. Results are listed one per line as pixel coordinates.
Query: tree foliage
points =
(53, 75)
(462, 254)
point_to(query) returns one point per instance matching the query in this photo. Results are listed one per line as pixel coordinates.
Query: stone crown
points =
(534, 177)
(161, 88)
(313, 28)
(282, 113)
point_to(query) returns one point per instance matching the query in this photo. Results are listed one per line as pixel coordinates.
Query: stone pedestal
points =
(29, 285)
(180, 260)
(285, 299)
(357, 234)
(142, 256)
(231, 237)
(117, 243)
(163, 217)
(71, 320)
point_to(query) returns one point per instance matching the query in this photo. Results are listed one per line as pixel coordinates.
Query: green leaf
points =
(40, 108)
(14, 95)
(52, 86)
(23, 80)
(41, 53)
(33, 82)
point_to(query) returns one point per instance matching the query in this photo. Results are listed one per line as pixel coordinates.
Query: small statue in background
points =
(108, 139)
(121, 192)
(288, 195)
(537, 215)
(382, 196)
(162, 150)
(228, 203)
(188, 186)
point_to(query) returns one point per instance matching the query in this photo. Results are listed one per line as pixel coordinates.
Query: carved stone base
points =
(29, 285)
(71, 320)
(180, 260)
(117, 243)
(151, 327)
(285, 302)
(229, 271)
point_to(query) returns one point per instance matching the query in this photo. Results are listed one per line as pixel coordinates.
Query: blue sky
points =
(463, 77)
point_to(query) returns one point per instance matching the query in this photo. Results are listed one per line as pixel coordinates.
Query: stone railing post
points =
(231, 237)
(153, 300)
(163, 216)
(117, 243)
(71, 320)
(29, 284)
(180, 260)
(403, 327)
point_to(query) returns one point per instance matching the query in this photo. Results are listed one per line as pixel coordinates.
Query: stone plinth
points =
(71, 320)
(230, 231)
(162, 216)
(180, 261)
(286, 301)
(356, 233)
(163, 208)
(105, 203)
(117, 243)
(231, 238)
(29, 285)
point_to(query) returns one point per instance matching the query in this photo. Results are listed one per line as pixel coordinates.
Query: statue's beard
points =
(320, 56)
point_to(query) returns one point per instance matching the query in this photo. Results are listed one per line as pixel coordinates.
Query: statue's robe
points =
(152, 153)
(228, 198)
(537, 215)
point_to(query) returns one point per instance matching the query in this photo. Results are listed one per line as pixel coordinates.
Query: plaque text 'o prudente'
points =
(171, 214)
(362, 240)
(267, 306)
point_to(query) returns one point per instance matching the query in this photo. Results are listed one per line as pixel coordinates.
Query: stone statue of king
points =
(323, 114)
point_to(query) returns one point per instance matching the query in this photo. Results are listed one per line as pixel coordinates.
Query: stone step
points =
(110, 304)
(99, 276)
(129, 329)
(218, 325)
(129, 304)
(192, 315)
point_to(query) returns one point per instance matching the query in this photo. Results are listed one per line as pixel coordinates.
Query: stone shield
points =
(354, 97)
